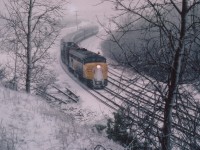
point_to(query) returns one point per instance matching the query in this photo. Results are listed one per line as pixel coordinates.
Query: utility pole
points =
(76, 19)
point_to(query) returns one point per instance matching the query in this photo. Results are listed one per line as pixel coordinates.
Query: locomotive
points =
(89, 67)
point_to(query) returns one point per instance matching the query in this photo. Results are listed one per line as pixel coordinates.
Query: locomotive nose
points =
(98, 73)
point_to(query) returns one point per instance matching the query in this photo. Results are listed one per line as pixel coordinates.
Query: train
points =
(91, 68)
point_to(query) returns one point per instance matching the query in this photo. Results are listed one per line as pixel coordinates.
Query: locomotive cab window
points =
(94, 59)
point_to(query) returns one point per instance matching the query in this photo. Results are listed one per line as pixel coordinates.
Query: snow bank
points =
(28, 122)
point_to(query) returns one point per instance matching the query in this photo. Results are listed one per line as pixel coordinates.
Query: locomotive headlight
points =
(98, 66)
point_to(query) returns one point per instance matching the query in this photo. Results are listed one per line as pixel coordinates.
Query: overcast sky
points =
(90, 9)
(85, 8)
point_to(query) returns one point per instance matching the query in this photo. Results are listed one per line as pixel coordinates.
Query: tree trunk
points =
(174, 82)
(29, 62)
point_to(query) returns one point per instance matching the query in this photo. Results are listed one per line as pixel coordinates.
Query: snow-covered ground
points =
(88, 12)
(87, 104)
(28, 122)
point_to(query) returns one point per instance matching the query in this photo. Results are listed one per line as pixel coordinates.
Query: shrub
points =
(100, 128)
(121, 130)
(7, 141)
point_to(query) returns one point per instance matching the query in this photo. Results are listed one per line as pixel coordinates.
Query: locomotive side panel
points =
(65, 48)
(76, 66)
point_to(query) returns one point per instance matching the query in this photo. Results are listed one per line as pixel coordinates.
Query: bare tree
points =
(34, 25)
(169, 32)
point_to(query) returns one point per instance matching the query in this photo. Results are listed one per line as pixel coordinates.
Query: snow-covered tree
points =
(166, 34)
(34, 26)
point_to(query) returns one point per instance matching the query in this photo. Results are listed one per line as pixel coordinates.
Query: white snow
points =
(88, 103)
(28, 122)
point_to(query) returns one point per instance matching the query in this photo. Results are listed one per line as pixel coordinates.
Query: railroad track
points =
(148, 99)
(141, 90)
(143, 97)
(150, 113)
(147, 102)
(96, 93)
(60, 95)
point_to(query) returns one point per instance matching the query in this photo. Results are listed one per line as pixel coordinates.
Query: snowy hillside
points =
(28, 122)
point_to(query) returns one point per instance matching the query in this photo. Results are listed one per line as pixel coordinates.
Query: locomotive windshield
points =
(94, 59)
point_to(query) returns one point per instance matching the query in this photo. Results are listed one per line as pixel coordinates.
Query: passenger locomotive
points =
(89, 67)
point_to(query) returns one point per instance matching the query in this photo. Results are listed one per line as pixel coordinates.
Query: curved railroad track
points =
(136, 95)
(125, 95)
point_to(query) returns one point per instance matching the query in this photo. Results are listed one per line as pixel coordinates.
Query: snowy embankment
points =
(28, 122)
